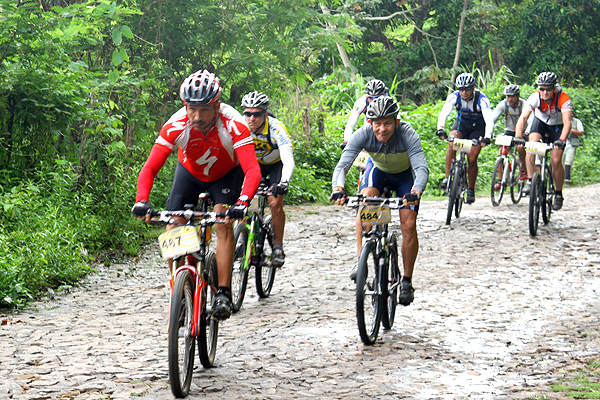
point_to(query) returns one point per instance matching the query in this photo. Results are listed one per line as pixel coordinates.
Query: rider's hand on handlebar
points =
(142, 209)
(560, 144)
(486, 141)
(441, 133)
(239, 209)
(338, 196)
(411, 199)
(280, 188)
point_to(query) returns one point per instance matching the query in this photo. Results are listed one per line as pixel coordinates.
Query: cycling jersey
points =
(402, 152)
(474, 112)
(549, 113)
(359, 107)
(207, 157)
(511, 114)
(273, 144)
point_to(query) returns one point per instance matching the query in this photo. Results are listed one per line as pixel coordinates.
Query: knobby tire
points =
(369, 301)
(548, 196)
(516, 185)
(496, 195)
(180, 342)
(265, 273)
(209, 326)
(535, 201)
(392, 278)
(451, 197)
(239, 274)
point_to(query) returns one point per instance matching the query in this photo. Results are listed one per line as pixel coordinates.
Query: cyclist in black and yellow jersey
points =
(275, 155)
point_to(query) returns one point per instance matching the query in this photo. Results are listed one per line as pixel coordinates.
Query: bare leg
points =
(410, 241)
(278, 215)
(225, 247)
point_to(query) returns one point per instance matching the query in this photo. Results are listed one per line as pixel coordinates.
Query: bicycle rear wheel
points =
(452, 181)
(496, 194)
(265, 273)
(181, 343)
(535, 200)
(209, 326)
(516, 184)
(239, 274)
(369, 300)
(393, 280)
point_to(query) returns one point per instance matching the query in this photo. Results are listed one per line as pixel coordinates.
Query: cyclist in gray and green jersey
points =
(400, 163)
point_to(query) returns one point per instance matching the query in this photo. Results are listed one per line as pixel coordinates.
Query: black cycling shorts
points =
(469, 129)
(550, 133)
(186, 188)
(273, 171)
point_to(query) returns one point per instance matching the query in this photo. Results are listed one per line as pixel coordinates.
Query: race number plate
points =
(179, 241)
(504, 140)
(375, 215)
(463, 144)
(536, 148)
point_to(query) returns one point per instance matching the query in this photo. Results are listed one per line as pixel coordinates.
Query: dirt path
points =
(497, 315)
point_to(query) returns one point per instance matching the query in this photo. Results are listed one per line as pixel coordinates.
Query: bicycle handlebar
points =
(392, 202)
(166, 216)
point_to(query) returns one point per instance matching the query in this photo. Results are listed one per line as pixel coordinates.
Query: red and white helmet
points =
(200, 88)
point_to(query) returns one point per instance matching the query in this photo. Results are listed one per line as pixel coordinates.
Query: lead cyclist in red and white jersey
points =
(215, 153)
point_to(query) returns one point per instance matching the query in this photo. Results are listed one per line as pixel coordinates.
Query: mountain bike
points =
(254, 241)
(194, 284)
(541, 196)
(378, 275)
(457, 179)
(506, 171)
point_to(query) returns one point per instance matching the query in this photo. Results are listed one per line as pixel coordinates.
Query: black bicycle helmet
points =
(200, 88)
(255, 100)
(382, 107)
(512, 90)
(465, 80)
(375, 87)
(546, 79)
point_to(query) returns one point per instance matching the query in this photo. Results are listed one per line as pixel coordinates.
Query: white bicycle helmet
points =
(255, 100)
(512, 90)
(200, 88)
(375, 87)
(465, 80)
(546, 79)
(382, 107)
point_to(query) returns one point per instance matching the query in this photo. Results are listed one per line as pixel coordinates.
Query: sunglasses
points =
(546, 89)
(465, 89)
(254, 114)
(371, 98)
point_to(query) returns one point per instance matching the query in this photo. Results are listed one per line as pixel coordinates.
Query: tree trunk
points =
(341, 50)
(461, 28)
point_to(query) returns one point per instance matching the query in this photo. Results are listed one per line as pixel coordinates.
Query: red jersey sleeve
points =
(157, 158)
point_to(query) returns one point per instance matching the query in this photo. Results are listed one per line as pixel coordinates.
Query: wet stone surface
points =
(497, 315)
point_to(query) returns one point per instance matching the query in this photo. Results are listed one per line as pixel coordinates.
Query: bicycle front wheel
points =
(239, 274)
(181, 343)
(497, 193)
(392, 280)
(369, 299)
(535, 200)
(452, 181)
(265, 272)
(209, 325)
(548, 196)
(516, 184)
(461, 173)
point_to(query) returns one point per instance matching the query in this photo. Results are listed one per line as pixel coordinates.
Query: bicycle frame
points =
(254, 227)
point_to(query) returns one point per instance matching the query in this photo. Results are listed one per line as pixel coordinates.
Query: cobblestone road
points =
(497, 315)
